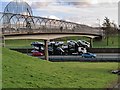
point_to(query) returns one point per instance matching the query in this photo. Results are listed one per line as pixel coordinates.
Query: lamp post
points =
(99, 26)
(98, 22)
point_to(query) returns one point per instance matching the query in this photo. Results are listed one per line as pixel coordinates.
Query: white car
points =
(87, 43)
(82, 50)
(71, 42)
(83, 42)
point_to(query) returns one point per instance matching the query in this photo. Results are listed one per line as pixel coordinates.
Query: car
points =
(71, 42)
(34, 51)
(37, 53)
(116, 72)
(59, 51)
(87, 43)
(51, 43)
(88, 55)
(82, 50)
(37, 44)
(83, 43)
(59, 43)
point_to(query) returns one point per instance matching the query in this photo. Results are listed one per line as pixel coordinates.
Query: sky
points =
(89, 12)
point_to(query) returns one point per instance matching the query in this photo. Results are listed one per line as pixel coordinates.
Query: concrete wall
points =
(104, 50)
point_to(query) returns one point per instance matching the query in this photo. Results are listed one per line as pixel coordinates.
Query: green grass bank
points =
(22, 71)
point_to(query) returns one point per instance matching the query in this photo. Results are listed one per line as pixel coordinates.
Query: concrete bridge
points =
(18, 26)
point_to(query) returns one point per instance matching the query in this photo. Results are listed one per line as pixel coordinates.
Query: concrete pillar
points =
(91, 42)
(3, 41)
(46, 49)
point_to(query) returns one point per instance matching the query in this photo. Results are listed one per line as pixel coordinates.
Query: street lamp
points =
(98, 22)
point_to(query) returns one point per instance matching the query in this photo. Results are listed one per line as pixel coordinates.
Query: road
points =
(99, 57)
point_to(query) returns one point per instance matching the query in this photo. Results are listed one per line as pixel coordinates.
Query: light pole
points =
(99, 22)
(99, 25)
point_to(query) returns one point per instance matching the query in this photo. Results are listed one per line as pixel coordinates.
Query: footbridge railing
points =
(22, 24)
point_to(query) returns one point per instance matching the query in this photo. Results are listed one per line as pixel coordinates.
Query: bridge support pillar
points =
(46, 49)
(3, 41)
(91, 42)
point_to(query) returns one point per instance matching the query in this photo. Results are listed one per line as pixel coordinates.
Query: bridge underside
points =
(46, 36)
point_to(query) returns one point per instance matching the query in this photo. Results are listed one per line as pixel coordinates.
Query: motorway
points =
(100, 57)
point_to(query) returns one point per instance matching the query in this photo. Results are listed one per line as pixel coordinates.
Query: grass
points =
(19, 43)
(113, 42)
(22, 71)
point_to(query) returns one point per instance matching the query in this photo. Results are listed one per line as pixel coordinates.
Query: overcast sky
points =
(90, 12)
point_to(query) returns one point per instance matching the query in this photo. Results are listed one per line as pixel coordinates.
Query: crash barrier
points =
(22, 50)
(92, 50)
(78, 59)
(104, 50)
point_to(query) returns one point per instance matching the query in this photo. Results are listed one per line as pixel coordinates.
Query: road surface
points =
(99, 57)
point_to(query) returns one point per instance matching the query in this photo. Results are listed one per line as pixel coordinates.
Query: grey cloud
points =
(35, 5)
(76, 3)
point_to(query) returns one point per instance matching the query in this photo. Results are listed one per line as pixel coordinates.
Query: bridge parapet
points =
(21, 24)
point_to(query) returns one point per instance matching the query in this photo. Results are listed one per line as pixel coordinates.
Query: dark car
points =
(37, 44)
(59, 51)
(88, 55)
(116, 72)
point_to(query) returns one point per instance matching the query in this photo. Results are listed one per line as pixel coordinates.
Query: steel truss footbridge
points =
(17, 24)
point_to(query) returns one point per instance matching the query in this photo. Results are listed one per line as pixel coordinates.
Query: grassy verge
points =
(19, 43)
(22, 71)
(113, 42)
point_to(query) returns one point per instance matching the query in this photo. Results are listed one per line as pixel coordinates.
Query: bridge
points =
(31, 27)
(26, 26)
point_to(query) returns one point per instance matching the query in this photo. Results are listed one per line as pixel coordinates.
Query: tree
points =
(108, 27)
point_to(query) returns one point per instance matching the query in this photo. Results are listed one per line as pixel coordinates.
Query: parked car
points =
(37, 44)
(88, 55)
(83, 43)
(87, 43)
(59, 43)
(72, 46)
(51, 43)
(50, 50)
(65, 46)
(82, 50)
(59, 51)
(55, 43)
(37, 53)
(71, 42)
(116, 72)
